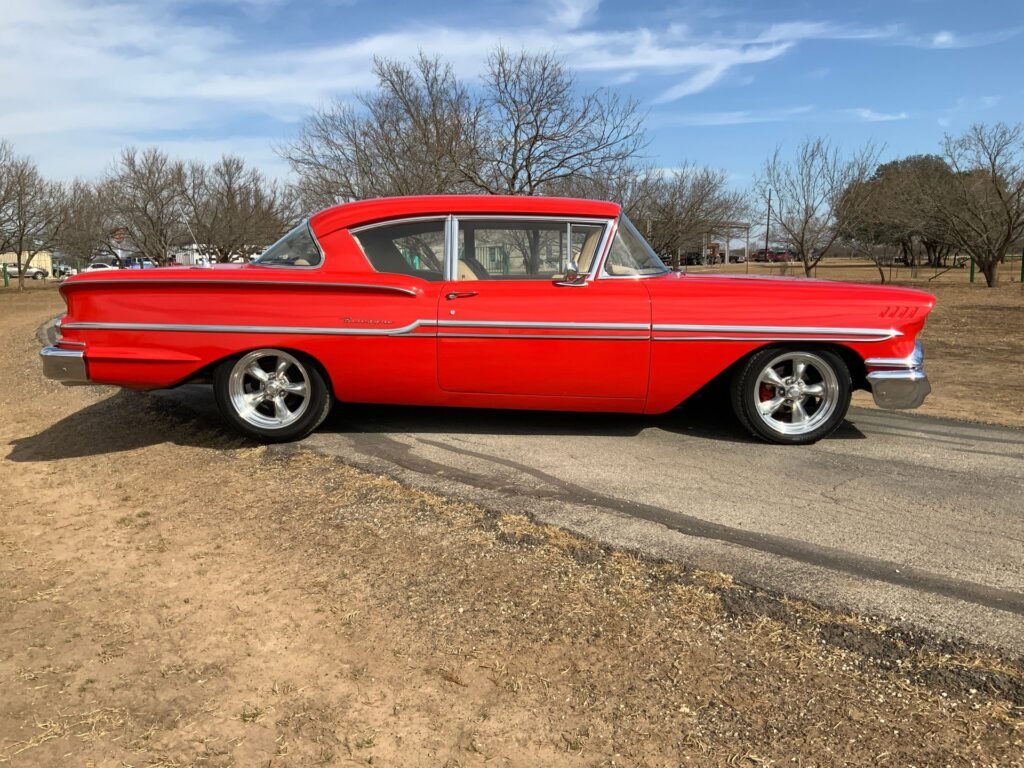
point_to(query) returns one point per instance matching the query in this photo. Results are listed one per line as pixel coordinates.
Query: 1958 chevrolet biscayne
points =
(497, 302)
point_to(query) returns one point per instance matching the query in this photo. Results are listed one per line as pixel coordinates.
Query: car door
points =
(514, 322)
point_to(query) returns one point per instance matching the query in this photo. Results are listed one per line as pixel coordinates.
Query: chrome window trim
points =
(312, 236)
(397, 220)
(606, 224)
(451, 249)
(244, 282)
(354, 232)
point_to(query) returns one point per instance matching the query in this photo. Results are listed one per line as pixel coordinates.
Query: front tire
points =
(271, 395)
(792, 396)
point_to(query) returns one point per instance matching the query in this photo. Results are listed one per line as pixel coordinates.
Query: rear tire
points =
(792, 395)
(271, 395)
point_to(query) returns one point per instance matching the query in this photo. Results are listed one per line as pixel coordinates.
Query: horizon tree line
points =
(526, 128)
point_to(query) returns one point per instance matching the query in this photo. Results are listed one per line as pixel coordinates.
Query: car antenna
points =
(195, 242)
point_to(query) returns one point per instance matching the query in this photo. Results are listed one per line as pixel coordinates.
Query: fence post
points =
(7, 279)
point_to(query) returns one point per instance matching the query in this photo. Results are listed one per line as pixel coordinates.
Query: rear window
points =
(296, 249)
(405, 248)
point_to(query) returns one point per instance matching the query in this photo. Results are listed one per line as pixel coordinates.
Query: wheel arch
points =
(854, 362)
(205, 374)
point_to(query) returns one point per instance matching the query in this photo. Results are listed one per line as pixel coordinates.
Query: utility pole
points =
(768, 223)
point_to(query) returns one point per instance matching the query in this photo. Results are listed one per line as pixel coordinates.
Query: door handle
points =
(460, 295)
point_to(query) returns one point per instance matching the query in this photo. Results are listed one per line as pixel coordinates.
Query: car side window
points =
(405, 248)
(510, 249)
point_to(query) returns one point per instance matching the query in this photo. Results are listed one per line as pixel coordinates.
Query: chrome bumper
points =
(899, 382)
(66, 365)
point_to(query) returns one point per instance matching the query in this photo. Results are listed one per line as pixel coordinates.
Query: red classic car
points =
(497, 302)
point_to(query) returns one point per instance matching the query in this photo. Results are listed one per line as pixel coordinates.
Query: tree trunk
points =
(990, 269)
(534, 243)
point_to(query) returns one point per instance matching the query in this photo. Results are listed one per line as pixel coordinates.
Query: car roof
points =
(384, 208)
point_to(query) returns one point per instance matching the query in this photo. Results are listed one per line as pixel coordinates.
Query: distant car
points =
(36, 273)
(96, 266)
(64, 270)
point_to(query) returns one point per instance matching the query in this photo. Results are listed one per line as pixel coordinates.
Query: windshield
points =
(630, 254)
(296, 249)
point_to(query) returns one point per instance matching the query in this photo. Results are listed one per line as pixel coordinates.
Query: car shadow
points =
(705, 417)
(127, 421)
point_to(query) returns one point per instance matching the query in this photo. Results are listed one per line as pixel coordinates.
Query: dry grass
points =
(170, 596)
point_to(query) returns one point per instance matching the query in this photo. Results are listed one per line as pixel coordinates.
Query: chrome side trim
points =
(532, 324)
(743, 333)
(862, 339)
(276, 329)
(912, 361)
(65, 365)
(870, 333)
(513, 336)
(243, 282)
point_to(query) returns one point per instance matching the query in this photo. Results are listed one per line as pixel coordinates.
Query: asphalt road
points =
(898, 515)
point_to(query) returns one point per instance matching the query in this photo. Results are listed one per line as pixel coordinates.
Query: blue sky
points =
(723, 83)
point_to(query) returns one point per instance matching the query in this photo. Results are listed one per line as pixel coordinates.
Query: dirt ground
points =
(173, 596)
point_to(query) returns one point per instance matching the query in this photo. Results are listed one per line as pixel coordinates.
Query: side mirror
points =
(572, 278)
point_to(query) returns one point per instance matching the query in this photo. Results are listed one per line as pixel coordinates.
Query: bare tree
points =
(526, 130)
(233, 210)
(86, 231)
(538, 130)
(32, 211)
(7, 160)
(679, 208)
(872, 225)
(411, 136)
(143, 194)
(808, 204)
(983, 210)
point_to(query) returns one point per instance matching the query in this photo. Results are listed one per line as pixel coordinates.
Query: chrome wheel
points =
(269, 388)
(796, 393)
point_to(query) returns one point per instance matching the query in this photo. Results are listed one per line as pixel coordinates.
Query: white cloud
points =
(572, 14)
(741, 117)
(948, 40)
(107, 73)
(871, 116)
